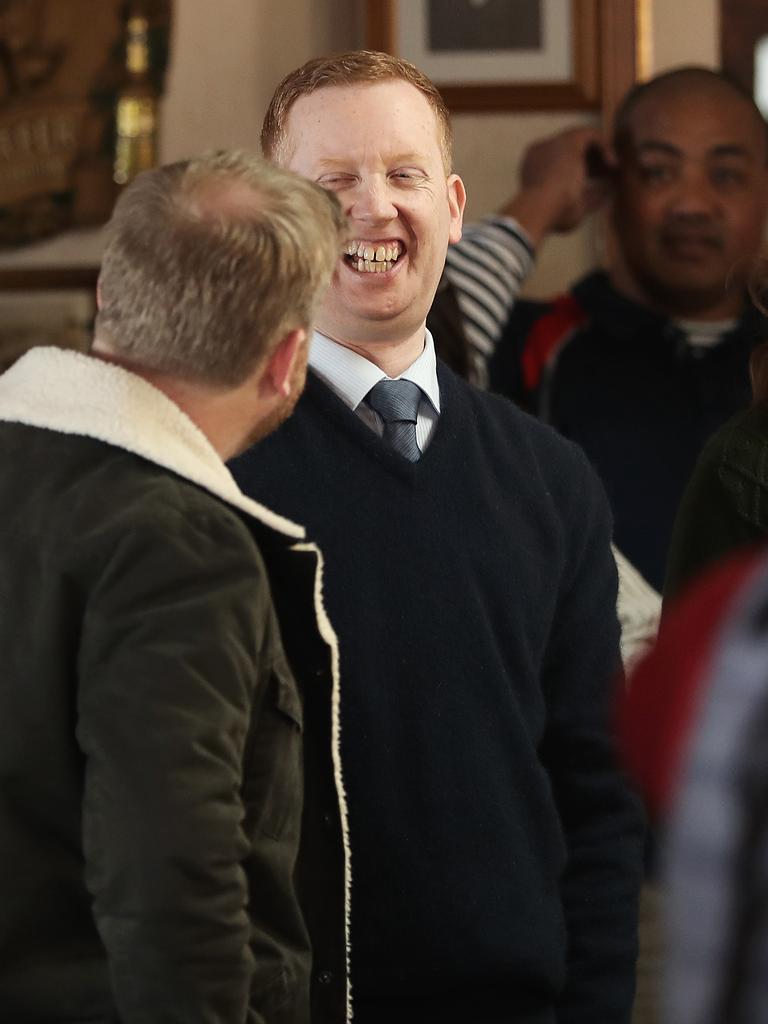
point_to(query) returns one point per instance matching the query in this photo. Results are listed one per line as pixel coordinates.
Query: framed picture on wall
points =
(502, 54)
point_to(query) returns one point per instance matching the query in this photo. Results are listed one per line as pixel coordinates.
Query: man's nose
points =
(695, 195)
(372, 202)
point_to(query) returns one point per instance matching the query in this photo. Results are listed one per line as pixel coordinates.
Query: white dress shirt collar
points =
(351, 376)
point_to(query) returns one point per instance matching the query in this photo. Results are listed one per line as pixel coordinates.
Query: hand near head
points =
(563, 178)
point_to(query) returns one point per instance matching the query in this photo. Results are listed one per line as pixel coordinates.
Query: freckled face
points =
(691, 201)
(377, 147)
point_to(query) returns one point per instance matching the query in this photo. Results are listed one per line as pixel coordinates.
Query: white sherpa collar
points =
(58, 389)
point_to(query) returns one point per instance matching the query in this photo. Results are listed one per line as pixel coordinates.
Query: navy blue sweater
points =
(495, 849)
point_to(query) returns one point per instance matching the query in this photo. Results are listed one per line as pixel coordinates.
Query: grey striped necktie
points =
(397, 402)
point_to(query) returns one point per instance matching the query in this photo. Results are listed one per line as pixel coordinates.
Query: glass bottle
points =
(137, 107)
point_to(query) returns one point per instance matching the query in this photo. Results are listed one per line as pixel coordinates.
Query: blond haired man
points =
(495, 850)
(150, 728)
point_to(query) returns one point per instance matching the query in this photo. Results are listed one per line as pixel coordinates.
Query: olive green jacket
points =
(725, 505)
(153, 861)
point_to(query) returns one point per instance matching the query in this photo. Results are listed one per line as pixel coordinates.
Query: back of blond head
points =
(210, 262)
(357, 67)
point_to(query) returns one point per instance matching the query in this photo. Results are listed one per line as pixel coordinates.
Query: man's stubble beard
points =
(283, 409)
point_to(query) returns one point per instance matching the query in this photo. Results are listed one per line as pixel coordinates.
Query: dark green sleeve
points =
(167, 676)
(720, 508)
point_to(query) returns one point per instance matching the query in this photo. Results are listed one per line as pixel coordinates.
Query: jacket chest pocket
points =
(273, 780)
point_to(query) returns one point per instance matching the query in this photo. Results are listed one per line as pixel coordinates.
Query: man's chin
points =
(394, 308)
(690, 297)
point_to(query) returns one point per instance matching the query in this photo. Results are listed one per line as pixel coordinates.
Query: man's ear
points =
(457, 200)
(280, 366)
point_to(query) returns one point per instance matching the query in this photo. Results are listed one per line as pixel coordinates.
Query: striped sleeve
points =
(639, 608)
(487, 269)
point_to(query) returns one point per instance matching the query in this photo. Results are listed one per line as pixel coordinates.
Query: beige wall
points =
(684, 32)
(227, 57)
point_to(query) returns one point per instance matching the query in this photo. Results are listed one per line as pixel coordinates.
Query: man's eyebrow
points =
(731, 149)
(408, 158)
(657, 146)
(725, 149)
(333, 163)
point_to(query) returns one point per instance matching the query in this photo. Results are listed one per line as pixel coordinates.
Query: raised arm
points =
(563, 178)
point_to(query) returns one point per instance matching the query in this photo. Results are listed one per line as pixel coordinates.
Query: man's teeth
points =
(374, 267)
(373, 259)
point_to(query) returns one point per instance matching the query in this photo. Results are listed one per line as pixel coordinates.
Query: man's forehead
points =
(658, 146)
(712, 121)
(391, 116)
(344, 97)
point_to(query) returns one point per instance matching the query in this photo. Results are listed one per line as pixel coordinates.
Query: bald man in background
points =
(639, 364)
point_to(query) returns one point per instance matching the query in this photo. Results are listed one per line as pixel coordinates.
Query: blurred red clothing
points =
(663, 693)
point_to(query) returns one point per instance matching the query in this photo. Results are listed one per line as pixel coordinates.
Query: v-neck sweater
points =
(474, 594)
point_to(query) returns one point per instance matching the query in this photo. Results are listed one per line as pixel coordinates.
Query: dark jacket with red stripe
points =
(623, 382)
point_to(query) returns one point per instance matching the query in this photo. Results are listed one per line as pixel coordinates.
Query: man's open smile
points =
(372, 257)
